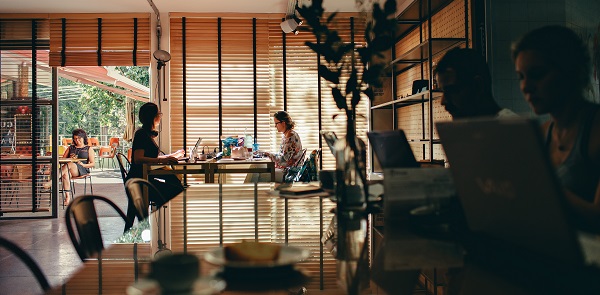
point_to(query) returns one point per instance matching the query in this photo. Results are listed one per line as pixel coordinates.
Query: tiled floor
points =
(47, 241)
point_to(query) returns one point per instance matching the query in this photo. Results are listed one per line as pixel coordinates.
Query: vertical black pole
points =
(34, 117)
(254, 63)
(220, 58)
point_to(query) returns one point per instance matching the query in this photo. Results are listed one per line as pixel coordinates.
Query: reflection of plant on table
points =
(348, 83)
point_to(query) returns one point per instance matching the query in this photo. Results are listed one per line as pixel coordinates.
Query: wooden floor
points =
(47, 241)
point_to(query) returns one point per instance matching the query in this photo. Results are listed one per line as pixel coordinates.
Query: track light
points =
(162, 57)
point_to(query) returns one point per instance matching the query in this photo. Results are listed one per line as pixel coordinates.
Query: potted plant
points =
(348, 86)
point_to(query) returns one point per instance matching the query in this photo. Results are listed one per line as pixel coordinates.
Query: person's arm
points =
(67, 151)
(140, 158)
(91, 159)
(589, 212)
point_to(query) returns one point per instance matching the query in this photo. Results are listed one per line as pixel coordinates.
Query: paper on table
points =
(405, 188)
(417, 183)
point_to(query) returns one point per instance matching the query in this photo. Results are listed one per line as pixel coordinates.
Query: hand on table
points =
(169, 160)
(178, 153)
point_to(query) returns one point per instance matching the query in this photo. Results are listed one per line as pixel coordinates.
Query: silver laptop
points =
(192, 156)
(330, 138)
(509, 189)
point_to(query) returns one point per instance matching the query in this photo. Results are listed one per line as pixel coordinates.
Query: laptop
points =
(193, 153)
(330, 138)
(392, 149)
(509, 189)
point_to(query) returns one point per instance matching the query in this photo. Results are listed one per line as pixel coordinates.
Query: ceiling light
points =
(162, 57)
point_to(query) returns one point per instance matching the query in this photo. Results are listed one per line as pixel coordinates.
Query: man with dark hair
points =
(464, 78)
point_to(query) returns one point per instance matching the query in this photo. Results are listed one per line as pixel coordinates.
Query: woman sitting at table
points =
(289, 152)
(83, 160)
(146, 151)
(553, 65)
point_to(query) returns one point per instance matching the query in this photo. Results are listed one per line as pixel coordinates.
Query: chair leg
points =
(91, 186)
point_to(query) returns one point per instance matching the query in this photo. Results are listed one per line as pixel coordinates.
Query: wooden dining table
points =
(205, 217)
(209, 169)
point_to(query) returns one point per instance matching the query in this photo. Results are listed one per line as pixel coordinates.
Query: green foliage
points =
(134, 235)
(95, 107)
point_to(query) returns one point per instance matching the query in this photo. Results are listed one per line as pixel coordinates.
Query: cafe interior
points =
(370, 204)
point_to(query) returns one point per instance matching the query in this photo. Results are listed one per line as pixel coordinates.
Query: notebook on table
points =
(509, 189)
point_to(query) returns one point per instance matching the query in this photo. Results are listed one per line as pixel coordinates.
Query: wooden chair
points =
(67, 141)
(25, 258)
(93, 141)
(82, 212)
(107, 152)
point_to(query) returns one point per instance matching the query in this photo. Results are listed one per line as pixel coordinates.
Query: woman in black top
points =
(78, 150)
(146, 151)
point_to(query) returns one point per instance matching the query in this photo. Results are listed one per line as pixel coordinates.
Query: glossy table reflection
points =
(207, 216)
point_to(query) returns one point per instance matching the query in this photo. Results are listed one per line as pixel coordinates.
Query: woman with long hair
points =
(554, 69)
(145, 150)
(83, 159)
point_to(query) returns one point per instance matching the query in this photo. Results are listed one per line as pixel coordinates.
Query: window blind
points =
(224, 72)
(99, 40)
(216, 82)
(16, 33)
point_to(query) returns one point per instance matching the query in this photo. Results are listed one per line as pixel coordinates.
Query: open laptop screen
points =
(392, 149)
(330, 138)
(507, 186)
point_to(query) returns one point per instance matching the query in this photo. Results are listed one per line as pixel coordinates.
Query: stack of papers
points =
(300, 190)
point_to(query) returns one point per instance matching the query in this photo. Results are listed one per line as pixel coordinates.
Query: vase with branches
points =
(352, 70)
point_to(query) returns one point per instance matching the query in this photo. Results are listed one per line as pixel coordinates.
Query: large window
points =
(26, 119)
(229, 75)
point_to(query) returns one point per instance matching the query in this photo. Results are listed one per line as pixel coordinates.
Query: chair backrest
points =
(82, 211)
(134, 188)
(105, 152)
(114, 142)
(121, 159)
(61, 150)
(300, 159)
(31, 264)
(67, 141)
(93, 141)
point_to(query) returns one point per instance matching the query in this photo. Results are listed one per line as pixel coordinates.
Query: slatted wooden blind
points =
(224, 72)
(16, 33)
(99, 40)
(212, 75)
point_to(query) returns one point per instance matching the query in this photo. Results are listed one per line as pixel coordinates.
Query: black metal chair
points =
(82, 211)
(134, 188)
(122, 160)
(31, 264)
